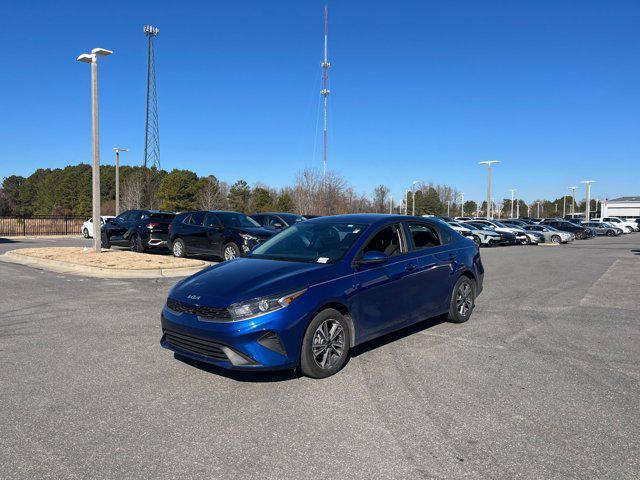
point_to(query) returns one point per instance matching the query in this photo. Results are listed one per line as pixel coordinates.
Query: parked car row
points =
(489, 232)
(219, 233)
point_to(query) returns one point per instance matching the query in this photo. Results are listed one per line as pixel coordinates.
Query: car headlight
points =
(248, 237)
(262, 305)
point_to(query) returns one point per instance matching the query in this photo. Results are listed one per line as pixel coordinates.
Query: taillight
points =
(152, 225)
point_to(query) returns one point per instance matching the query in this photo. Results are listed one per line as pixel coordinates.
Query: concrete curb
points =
(549, 244)
(88, 271)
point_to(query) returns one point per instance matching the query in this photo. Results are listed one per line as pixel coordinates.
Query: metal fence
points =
(41, 225)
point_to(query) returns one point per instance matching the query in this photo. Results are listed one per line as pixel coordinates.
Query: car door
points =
(213, 234)
(435, 257)
(193, 232)
(118, 227)
(382, 300)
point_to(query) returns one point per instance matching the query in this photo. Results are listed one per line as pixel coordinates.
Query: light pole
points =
(413, 190)
(92, 58)
(118, 150)
(406, 202)
(587, 208)
(518, 209)
(488, 163)
(513, 190)
(448, 208)
(462, 204)
(564, 206)
(573, 200)
(538, 202)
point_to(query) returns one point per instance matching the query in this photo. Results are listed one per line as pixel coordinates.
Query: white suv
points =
(627, 227)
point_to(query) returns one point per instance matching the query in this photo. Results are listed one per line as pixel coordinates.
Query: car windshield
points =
(481, 226)
(291, 218)
(234, 219)
(314, 242)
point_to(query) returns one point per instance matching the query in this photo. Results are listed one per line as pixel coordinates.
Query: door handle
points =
(410, 267)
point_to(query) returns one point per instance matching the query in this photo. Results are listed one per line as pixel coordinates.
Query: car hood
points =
(260, 232)
(244, 278)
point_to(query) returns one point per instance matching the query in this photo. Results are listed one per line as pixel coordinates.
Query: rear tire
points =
(231, 251)
(317, 360)
(104, 240)
(580, 236)
(555, 239)
(135, 242)
(463, 298)
(610, 233)
(179, 249)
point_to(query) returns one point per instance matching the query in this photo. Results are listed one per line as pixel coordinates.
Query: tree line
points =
(67, 191)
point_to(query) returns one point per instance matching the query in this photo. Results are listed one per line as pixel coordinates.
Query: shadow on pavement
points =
(241, 376)
(7, 240)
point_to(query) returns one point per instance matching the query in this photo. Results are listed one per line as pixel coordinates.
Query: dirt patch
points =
(111, 259)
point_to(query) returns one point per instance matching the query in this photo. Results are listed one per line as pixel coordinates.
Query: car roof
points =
(373, 218)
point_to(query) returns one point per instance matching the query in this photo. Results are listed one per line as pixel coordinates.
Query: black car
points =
(222, 234)
(276, 220)
(137, 229)
(580, 232)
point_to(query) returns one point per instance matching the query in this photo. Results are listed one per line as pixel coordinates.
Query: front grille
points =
(200, 346)
(213, 313)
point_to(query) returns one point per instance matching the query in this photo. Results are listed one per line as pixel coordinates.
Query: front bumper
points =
(269, 342)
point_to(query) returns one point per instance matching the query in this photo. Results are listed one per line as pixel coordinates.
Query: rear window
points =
(162, 216)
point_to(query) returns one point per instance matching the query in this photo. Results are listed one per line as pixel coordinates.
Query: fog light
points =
(235, 358)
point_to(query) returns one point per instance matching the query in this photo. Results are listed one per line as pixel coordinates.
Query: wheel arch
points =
(344, 310)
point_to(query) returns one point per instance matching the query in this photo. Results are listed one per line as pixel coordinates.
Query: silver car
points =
(551, 234)
(481, 237)
(603, 228)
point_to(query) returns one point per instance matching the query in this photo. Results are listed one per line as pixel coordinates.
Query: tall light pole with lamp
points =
(92, 58)
(488, 163)
(462, 204)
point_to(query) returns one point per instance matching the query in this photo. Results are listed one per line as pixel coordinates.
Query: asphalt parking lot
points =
(542, 382)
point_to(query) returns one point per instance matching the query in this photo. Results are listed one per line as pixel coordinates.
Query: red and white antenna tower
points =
(325, 88)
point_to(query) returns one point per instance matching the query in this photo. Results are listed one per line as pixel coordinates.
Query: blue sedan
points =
(308, 295)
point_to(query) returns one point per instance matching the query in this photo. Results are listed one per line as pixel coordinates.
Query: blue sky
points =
(420, 90)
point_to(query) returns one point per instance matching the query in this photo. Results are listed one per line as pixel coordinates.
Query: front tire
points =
(104, 240)
(462, 300)
(179, 249)
(325, 346)
(231, 251)
(610, 233)
(555, 239)
(85, 233)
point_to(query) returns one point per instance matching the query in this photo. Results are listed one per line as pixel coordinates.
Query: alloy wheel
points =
(464, 299)
(328, 344)
(229, 253)
(177, 249)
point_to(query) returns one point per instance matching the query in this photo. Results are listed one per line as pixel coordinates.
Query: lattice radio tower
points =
(325, 89)
(151, 132)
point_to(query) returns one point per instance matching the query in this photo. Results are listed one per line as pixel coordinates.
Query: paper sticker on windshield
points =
(356, 230)
(323, 260)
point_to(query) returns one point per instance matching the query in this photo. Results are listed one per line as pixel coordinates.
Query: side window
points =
(424, 236)
(122, 217)
(211, 220)
(273, 220)
(259, 219)
(196, 219)
(386, 241)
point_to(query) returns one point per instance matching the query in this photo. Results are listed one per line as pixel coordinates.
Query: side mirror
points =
(373, 257)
